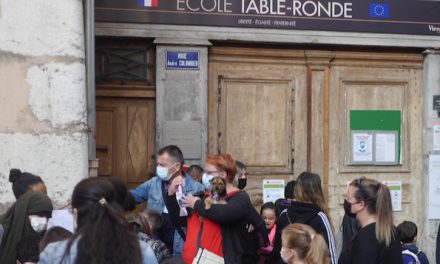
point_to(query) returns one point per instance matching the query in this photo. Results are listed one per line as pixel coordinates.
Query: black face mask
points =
(347, 209)
(241, 183)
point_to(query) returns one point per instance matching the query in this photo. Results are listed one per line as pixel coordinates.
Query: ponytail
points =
(318, 251)
(309, 246)
(109, 239)
(377, 200)
(103, 234)
(384, 215)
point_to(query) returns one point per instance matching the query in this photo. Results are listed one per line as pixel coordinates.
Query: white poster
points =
(434, 187)
(386, 147)
(396, 194)
(362, 147)
(273, 190)
(436, 137)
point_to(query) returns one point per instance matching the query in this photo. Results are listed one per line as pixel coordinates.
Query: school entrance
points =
(125, 109)
(283, 111)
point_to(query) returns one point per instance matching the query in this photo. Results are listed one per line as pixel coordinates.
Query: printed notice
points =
(362, 147)
(396, 194)
(434, 187)
(386, 147)
(273, 190)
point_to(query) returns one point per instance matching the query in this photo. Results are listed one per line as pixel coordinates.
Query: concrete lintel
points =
(432, 51)
(266, 35)
(182, 42)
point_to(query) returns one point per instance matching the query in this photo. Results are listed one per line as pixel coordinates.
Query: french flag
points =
(148, 3)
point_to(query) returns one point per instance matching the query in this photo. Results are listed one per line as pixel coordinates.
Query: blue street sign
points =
(182, 60)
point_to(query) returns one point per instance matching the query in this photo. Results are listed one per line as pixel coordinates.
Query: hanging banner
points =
(384, 16)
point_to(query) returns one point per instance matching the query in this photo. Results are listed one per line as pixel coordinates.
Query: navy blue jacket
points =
(420, 255)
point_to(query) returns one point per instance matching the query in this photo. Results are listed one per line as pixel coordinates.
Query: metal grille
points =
(122, 64)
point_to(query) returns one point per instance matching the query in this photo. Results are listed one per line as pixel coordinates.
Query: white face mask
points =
(38, 223)
(206, 178)
(284, 256)
(163, 172)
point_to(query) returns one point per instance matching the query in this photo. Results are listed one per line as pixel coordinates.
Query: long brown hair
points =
(377, 200)
(308, 189)
(309, 246)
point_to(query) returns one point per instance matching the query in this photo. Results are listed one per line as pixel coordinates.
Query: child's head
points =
(54, 234)
(301, 243)
(27, 249)
(195, 171)
(289, 189)
(407, 232)
(268, 213)
(153, 218)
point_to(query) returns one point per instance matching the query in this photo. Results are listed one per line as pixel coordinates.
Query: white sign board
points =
(186, 135)
(386, 148)
(362, 147)
(434, 187)
(273, 190)
(436, 137)
(396, 194)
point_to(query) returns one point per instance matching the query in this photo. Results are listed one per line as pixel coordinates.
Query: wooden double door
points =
(125, 134)
(285, 111)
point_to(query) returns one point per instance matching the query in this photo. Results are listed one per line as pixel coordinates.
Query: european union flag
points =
(379, 10)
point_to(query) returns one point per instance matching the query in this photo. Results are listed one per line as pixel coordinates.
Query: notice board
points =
(379, 120)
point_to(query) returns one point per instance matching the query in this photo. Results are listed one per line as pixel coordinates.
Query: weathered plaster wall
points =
(431, 84)
(43, 110)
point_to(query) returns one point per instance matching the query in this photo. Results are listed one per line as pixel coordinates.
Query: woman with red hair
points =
(217, 233)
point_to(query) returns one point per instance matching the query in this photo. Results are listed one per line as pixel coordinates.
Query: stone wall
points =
(43, 107)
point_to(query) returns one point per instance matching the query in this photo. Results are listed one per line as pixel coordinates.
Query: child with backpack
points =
(408, 236)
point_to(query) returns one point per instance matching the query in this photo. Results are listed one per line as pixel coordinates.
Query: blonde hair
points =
(377, 200)
(309, 246)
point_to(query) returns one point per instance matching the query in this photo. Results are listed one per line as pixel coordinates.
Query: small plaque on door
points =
(186, 135)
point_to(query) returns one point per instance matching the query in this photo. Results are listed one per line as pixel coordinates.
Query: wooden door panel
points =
(140, 142)
(105, 140)
(256, 122)
(128, 126)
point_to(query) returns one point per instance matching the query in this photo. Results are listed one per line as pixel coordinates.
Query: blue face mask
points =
(162, 172)
(206, 178)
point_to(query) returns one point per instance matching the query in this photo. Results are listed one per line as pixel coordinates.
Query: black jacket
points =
(302, 213)
(367, 250)
(256, 239)
(350, 227)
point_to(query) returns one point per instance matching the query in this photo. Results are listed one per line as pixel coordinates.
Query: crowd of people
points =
(202, 215)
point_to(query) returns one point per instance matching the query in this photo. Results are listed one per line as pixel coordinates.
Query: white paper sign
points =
(436, 137)
(362, 147)
(273, 190)
(386, 147)
(396, 194)
(434, 187)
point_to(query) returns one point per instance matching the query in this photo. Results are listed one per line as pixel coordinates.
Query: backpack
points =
(409, 257)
